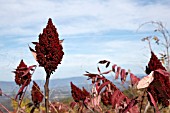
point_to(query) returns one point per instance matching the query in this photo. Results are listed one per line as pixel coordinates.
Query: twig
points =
(4, 108)
(8, 96)
(161, 29)
(146, 108)
(23, 96)
(49, 101)
(142, 101)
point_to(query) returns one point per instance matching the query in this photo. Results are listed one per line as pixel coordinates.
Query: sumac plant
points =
(37, 97)
(104, 91)
(163, 41)
(155, 87)
(158, 88)
(48, 53)
(23, 74)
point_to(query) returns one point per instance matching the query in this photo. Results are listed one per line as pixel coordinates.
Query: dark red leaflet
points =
(134, 79)
(153, 102)
(113, 68)
(103, 85)
(28, 70)
(114, 98)
(123, 75)
(103, 61)
(117, 72)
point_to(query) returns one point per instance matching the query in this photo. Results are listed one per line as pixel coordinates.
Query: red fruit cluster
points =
(78, 94)
(36, 94)
(49, 50)
(19, 72)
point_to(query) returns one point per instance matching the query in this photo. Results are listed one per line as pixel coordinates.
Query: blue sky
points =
(93, 30)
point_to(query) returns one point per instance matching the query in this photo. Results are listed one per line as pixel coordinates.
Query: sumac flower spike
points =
(37, 95)
(48, 51)
(21, 70)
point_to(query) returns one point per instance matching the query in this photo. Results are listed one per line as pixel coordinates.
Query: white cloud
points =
(125, 53)
(24, 20)
(75, 17)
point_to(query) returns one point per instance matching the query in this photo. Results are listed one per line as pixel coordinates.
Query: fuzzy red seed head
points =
(49, 50)
(21, 69)
(36, 94)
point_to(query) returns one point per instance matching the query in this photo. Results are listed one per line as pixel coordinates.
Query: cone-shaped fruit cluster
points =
(49, 50)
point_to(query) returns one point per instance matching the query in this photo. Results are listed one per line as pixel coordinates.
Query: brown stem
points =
(49, 101)
(149, 45)
(23, 96)
(47, 93)
(9, 96)
(142, 100)
(4, 108)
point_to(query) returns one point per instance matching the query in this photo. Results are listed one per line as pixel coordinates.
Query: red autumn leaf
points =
(123, 75)
(107, 72)
(0, 92)
(163, 72)
(99, 78)
(130, 105)
(106, 94)
(153, 102)
(20, 91)
(99, 70)
(103, 61)
(134, 79)
(113, 67)
(145, 81)
(160, 89)
(114, 98)
(117, 72)
(105, 97)
(73, 104)
(103, 85)
(120, 99)
(107, 65)
(28, 70)
(91, 76)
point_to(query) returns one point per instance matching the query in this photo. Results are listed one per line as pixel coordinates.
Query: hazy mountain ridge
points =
(59, 88)
(55, 83)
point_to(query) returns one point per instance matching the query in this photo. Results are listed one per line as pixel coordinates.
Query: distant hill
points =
(59, 88)
(64, 83)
